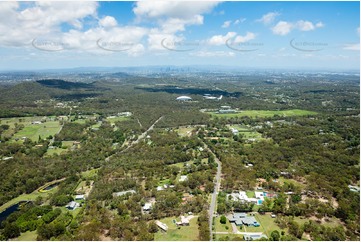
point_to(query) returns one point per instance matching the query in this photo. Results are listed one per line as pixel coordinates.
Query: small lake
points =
(51, 186)
(8, 211)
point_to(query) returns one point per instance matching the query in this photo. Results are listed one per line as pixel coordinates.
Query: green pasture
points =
(266, 113)
(181, 233)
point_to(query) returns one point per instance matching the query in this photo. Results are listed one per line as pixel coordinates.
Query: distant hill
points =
(49, 88)
(56, 83)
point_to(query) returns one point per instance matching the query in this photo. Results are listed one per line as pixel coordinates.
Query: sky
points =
(280, 35)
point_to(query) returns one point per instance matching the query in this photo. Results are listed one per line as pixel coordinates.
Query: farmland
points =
(266, 113)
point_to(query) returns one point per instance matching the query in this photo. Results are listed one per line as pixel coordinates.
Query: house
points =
(183, 178)
(147, 206)
(354, 188)
(160, 188)
(249, 237)
(161, 225)
(242, 219)
(72, 205)
(226, 111)
(234, 131)
(184, 221)
(36, 122)
(8, 158)
(79, 197)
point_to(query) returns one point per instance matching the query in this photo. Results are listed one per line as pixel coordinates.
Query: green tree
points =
(11, 230)
(223, 219)
(275, 235)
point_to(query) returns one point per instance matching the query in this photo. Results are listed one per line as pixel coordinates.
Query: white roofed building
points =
(184, 98)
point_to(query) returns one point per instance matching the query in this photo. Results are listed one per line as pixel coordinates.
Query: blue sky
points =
(314, 35)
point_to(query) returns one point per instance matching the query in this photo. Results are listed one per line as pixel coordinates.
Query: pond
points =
(8, 211)
(51, 186)
(4, 214)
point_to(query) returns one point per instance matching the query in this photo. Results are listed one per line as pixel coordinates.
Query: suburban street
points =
(217, 186)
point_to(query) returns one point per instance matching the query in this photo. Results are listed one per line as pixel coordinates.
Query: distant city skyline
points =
(280, 35)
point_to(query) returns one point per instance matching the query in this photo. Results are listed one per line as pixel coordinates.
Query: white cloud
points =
(221, 39)
(239, 21)
(159, 41)
(97, 40)
(172, 9)
(304, 25)
(282, 28)
(213, 54)
(171, 17)
(20, 26)
(108, 21)
(268, 18)
(226, 24)
(173, 25)
(352, 47)
(319, 25)
(242, 39)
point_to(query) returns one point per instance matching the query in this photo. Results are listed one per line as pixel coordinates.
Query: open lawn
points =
(116, 119)
(184, 131)
(90, 174)
(246, 132)
(231, 237)
(180, 233)
(181, 164)
(33, 131)
(27, 236)
(283, 180)
(266, 113)
(222, 227)
(56, 150)
(267, 223)
(250, 194)
(164, 182)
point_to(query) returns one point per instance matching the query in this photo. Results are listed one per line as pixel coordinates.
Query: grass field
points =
(164, 182)
(90, 174)
(116, 119)
(231, 237)
(56, 150)
(182, 233)
(222, 227)
(267, 223)
(184, 131)
(33, 131)
(250, 194)
(283, 180)
(266, 113)
(27, 236)
(246, 132)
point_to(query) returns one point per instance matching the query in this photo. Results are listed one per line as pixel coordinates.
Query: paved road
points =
(216, 190)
